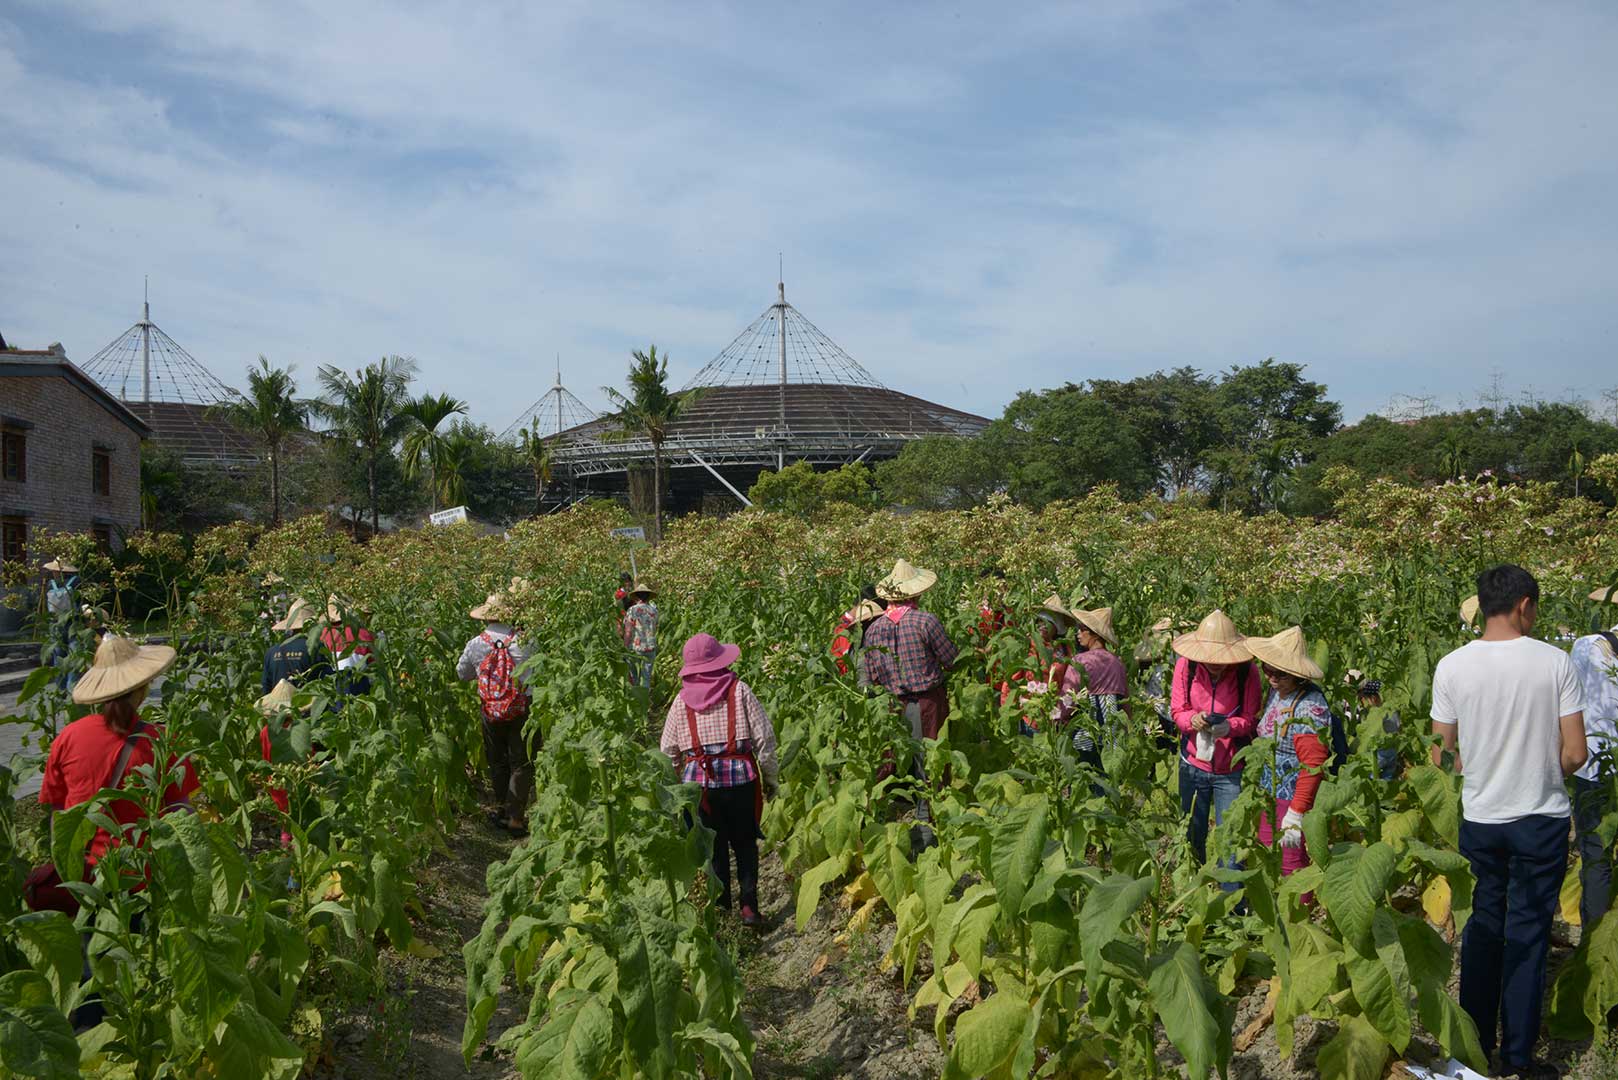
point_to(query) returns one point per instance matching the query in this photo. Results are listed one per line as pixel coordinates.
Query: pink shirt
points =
(1187, 699)
(1104, 673)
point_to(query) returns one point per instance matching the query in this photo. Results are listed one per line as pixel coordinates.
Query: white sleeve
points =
(1443, 708)
(1567, 685)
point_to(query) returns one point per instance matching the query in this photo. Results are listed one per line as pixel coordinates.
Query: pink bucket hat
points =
(704, 653)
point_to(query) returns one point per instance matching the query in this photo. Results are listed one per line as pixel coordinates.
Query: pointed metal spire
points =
(166, 372)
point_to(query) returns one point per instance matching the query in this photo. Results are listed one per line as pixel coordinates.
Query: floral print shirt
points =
(1298, 723)
(640, 624)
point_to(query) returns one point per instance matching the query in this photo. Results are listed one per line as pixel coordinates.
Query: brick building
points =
(69, 454)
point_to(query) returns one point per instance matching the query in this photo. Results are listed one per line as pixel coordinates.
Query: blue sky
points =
(971, 200)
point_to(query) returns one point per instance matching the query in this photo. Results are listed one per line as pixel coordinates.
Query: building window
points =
(13, 456)
(13, 539)
(101, 472)
(103, 535)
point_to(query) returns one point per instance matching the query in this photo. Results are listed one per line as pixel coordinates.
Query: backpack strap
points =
(1610, 638)
(730, 720)
(121, 766)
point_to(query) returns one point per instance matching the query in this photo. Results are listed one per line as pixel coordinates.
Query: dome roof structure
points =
(782, 391)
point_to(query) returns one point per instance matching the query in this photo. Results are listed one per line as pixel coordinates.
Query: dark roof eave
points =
(46, 366)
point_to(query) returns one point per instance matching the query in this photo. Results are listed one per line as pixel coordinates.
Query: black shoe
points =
(497, 819)
(1533, 1070)
(750, 916)
(517, 831)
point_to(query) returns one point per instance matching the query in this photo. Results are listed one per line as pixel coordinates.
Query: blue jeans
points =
(640, 668)
(1519, 867)
(1201, 791)
(1387, 764)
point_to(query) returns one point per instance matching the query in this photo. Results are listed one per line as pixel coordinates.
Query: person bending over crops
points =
(492, 658)
(640, 634)
(1595, 659)
(1510, 711)
(99, 751)
(293, 660)
(1048, 655)
(718, 736)
(351, 646)
(907, 653)
(1214, 701)
(1155, 654)
(1369, 694)
(1298, 718)
(849, 636)
(1106, 680)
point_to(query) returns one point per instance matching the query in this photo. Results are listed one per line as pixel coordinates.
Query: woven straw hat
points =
(642, 587)
(121, 666)
(1469, 609)
(1098, 622)
(297, 616)
(493, 609)
(58, 566)
(1288, 652)
(1607, 594)
(866, 610)
(1214, 641)
(1053, 604)
(277, 699)
(905, 582)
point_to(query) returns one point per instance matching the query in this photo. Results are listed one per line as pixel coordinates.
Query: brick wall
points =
(68, 426)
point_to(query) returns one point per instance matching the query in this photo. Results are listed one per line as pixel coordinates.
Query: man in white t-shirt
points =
(1510, 709)
(1595, 659)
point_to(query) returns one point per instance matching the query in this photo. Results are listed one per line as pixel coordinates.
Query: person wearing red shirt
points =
(350, 648)
(1297, 716)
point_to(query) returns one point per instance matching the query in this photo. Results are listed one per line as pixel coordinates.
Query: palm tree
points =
(269, 413)
(1575, 465)
(650, 409)
(425, 444)
(366, 408)
(1452, 454)
(538, 456)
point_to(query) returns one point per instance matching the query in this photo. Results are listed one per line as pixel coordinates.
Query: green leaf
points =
(252, 1046)
(36, 1039)
(1377, 990)
(1440, 802)
(1455, 869)
(986, 1036)
(36, 681)
(572, 1043)
(649, 983)
(1355, 888)
(1587, 986)
(390, 900)
(1017, 847)
(815, 879)
(1429, 959)
(1108, 906)
(71, 830)
(50, 943)
(887, 857)
(1356, 1052)
(207, 970)
(1193, 1015)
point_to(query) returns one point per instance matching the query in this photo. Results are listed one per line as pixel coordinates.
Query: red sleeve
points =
(1180, 696)
(264, 741)
(1312, 752)
(1244, 724)
(53, 786)
(188, 781)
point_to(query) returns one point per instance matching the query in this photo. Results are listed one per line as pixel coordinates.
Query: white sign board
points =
(633, 533)
(454, 515)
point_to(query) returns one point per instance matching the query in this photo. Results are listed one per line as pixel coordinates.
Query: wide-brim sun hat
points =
(905, 582)
(57, 566)
(120, 666)
(1099, 623)
(1607, 594)
(493, 609)
(866, 610)
(297, 616)
(1288, 652)
(642, 589)
(1214, 641)
(1469, 609)
(277, 699)
(1053, 604)
(704, 653)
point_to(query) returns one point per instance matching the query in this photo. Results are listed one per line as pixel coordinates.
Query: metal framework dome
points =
(555, 412)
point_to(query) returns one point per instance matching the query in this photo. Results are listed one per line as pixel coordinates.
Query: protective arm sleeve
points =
(1312, 753)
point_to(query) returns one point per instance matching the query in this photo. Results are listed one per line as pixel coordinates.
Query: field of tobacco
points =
(1051, 932)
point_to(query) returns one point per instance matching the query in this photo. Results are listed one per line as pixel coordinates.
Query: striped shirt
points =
(753, 732)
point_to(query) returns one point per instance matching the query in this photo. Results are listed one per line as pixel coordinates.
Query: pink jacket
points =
(1187, 699)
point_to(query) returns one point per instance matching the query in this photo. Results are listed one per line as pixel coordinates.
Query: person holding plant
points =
(99, 751)
(1155, 653)
(492, 658)
(59, 609)
(640, 634)
(1595, 658)
(1048, 655)
(350, 645)
(850, 633)
(1105, 679)
(1214, 701)
(1298, 718)
(1509, 711)
(292, 660)
(718, 736)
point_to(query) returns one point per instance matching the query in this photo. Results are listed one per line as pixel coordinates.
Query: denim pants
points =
(1590, 803)
(640, 668)
(1519, 867)
(1201, 791)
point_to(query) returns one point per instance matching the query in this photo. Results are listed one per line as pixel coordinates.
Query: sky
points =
(971, 200)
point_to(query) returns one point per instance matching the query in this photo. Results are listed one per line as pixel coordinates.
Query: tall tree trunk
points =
(432, 482)
(370, 484)
(275, 487)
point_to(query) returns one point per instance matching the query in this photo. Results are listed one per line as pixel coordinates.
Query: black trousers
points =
(1519, 867)
(1590, 801)
(730, 815)
(511, 766)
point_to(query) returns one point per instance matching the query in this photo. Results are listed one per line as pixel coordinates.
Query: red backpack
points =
(502, 698)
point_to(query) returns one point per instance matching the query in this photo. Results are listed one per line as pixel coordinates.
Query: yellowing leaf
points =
(1572, 893)
(421, 950)
(859, 890)
(1435, 901)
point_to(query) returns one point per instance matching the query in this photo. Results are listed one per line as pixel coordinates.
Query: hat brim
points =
(1096, 627)
(1268, 654)
(100, 685)
(1204, 651)
(293, 620)
(909, 588)
(728, 655)
(487, 612)
(56, 566)
(1606, 595)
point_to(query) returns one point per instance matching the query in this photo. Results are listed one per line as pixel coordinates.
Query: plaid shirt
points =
(753, 732)
(640, 627)
(908, 656)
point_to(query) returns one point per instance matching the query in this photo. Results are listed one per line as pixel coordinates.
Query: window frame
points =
(101, 471)
(7, 524)
(13, 451)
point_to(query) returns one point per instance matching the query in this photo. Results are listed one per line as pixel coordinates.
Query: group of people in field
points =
(1517, 718)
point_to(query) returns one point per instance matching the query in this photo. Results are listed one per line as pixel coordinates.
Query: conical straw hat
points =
(277, 699)
(643, 587)
(491, 610)
(905, 582)
(1053, 603)
(121, 666)
(1469, 609)
(866, 610)
(61, 566)
(1214, 641)
(1288, 652)
(297, 616)
(1606, 594)
(1098, 622)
